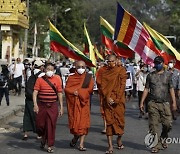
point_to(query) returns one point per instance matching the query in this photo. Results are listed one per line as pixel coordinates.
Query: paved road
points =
(96, 143)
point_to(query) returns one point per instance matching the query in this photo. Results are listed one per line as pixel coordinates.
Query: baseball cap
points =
(158, 60)
(38, 63)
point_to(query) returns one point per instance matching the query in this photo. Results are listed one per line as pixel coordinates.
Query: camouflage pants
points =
(159, 113)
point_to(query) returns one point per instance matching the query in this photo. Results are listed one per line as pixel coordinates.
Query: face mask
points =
(81, 70)
(171, 65)
(49, 73)
(145, 69)
(127, 65)
(158, 67)
(36, 71)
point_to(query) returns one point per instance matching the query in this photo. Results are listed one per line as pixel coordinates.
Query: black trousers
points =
(4, 91)
(18, 81)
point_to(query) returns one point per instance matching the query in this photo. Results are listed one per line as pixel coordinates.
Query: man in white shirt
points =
(19, 71)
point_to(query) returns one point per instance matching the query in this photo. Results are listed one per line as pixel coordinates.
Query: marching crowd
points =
(157, 89)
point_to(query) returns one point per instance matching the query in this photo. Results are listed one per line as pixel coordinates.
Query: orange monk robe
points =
(113, 86)
(78, 106)
(98, 82)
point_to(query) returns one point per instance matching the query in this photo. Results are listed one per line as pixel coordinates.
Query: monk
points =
(48, 90)
(78, 88)
(98, 82)
(113, 91)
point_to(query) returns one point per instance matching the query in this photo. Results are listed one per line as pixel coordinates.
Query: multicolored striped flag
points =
(90, 47)
(164, 45)
(131, 32)
(59, 44)
(119, 48)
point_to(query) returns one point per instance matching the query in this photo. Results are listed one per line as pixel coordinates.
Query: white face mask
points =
(36, 71)
(49, 73)
(171, 65)
(81, 70)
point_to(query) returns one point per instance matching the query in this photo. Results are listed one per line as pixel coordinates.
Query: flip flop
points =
(164, 145)
(50, 150)
(82, 149)
(120, 147)
(154, 150)
(109, 152)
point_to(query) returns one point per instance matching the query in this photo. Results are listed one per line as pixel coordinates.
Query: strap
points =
(51, 85)
(87, 80)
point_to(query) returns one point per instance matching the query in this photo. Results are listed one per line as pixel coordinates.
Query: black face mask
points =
(158, 67)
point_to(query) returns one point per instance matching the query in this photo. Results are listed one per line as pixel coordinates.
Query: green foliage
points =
(68, 16)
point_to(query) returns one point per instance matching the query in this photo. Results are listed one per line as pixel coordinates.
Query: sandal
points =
(82, 149)
(120, 147)
(109, 152)
(164, 145)
(50, 150)
(154, 150)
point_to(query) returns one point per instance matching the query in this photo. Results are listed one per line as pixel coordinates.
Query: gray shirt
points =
(159, 86)
(176, 78)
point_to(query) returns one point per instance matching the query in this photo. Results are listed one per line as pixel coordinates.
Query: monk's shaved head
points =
(112, 61)
(112, 57)
(80, 63)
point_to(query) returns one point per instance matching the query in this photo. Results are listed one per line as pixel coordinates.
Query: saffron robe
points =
(98, 82)
(113, 86)
(78, 106)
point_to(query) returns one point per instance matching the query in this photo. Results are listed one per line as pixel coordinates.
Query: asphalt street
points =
(96, 143)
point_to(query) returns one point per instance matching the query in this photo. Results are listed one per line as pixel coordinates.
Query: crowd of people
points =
(157, 89)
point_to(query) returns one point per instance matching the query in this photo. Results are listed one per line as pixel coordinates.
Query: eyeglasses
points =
(80, 67)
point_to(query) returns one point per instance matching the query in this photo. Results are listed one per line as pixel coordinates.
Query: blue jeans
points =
(6, 92)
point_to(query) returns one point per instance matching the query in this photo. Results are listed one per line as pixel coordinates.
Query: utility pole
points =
(26, 32)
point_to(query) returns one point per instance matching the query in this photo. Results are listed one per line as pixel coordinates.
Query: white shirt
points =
(141, 81)
(64, 71)
(11, 69)
(18, 70)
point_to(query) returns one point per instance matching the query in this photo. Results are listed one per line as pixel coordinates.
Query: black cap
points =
(158, 60)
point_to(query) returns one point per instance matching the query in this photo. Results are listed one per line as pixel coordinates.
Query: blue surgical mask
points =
(158, 67)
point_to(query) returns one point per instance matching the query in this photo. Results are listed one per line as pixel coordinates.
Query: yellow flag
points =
(91, 49)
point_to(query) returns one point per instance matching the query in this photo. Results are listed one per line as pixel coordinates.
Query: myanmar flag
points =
(119, 48)
(59, 44)
(168, 52)
(90, 48)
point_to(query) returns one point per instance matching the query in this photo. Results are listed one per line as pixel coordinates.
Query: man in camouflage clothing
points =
(160, 87)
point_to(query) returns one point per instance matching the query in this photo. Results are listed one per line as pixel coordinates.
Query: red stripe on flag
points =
(130, 30)
(56, 47)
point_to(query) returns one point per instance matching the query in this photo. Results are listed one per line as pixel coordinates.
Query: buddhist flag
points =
(131, 32)
(59, 44)
(164, 45)
(119, 48)
(90, 47)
